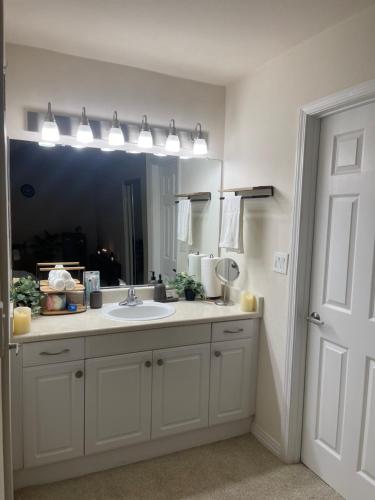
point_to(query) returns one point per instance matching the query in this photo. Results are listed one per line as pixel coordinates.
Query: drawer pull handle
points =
(148, 364)
(79, 374)
(238, 330)
(217, 354)
(160, 362)
(46, 353)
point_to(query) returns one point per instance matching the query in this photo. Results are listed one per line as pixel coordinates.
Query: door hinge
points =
(14, 346)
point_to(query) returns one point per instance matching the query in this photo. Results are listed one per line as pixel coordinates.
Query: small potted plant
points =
(188, 286)
(25, 293)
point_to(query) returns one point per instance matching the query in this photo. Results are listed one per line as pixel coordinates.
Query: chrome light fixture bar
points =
(116, 136)
(50, 130)
(172, 143)
(145, 137)
(84, 132)
(199, 142)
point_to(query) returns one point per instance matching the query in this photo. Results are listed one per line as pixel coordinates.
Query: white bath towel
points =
(231, 224)
(184, 222)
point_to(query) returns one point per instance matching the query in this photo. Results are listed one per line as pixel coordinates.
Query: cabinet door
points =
(233, 372)
(118, 401)
(53, 398)
(180, 389)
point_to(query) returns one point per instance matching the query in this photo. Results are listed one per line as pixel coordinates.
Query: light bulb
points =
(172, 143)
(145, 137)
(84, 132)
(50, 130)
(116, 136)
(200, 144)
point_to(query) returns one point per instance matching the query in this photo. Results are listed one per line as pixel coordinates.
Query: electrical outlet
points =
(280, 262)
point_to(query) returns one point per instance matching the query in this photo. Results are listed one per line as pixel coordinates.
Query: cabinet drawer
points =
(232, 330)
(147, 340)
(52, 351)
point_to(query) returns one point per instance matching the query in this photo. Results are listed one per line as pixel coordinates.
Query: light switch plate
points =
(280, 262)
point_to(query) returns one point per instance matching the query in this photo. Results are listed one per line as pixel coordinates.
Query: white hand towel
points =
(184, 222)
(57, 284)
(231, 224)
(70, 284)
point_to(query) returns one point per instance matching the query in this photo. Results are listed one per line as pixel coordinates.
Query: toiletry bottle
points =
(160, 293)
(153, 279)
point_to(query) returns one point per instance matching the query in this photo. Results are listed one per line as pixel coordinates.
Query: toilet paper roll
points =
(194, 265)
(210, 281)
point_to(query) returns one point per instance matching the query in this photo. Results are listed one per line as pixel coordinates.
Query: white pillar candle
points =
(248, 302)
(21, 320)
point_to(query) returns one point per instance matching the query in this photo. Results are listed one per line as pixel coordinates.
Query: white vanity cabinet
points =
(102, 393)
(180, 389)
(53, 412)
(118, 401)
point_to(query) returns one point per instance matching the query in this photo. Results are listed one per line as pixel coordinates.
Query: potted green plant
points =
(24, 292)
(188, 286)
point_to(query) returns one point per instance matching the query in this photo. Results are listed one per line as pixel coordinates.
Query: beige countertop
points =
(94, 322)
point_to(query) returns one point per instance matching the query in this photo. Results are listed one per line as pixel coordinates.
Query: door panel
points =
(118, 401)
(180, 389)
(339, 430)
(53, 412)
(232, 372)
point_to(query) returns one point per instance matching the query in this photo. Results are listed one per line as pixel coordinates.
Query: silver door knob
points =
(148, 364)
(79, 374)
(217, 354)
(315, 319)
(160, 362)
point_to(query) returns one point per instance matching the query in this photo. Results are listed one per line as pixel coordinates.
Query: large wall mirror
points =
(114, 212)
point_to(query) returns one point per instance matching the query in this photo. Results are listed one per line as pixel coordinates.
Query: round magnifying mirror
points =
(227, 271)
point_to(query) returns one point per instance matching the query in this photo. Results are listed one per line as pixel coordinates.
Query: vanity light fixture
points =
(199, 144)
(172, 143)
(84, 132)
(50, 130)
(145, 137)
(46, 144)
(116, 136)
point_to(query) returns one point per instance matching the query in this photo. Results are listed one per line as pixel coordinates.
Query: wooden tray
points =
(80, 309)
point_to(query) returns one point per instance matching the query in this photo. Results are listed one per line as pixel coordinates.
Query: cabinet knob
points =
(79, 374)
(217, 354)
(148, 364)
(160, 362)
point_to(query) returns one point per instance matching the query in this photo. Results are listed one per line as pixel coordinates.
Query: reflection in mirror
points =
(227, 271)
(114, 212)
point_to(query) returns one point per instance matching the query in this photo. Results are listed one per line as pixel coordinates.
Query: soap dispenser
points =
(153, 279)
(160, 292)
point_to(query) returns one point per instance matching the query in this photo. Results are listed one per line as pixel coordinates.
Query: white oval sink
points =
(146, 311)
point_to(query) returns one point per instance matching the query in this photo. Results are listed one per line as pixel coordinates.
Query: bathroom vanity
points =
(90, 393)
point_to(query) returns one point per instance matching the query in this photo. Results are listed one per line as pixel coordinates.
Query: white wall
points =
(35, 76)
(260, 144)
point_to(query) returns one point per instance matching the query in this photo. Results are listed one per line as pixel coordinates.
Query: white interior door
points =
(168, 221)
(339, 413)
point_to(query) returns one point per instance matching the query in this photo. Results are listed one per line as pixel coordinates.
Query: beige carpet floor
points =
(236, 469)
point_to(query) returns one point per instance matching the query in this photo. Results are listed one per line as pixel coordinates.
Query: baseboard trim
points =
(266, 440)
(130, 454)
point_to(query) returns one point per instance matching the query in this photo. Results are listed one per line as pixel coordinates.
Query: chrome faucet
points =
(132, 299)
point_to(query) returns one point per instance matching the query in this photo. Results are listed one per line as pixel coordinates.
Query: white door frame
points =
(301, 253)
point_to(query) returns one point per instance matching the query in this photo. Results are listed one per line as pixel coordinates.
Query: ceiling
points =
(214, 41)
